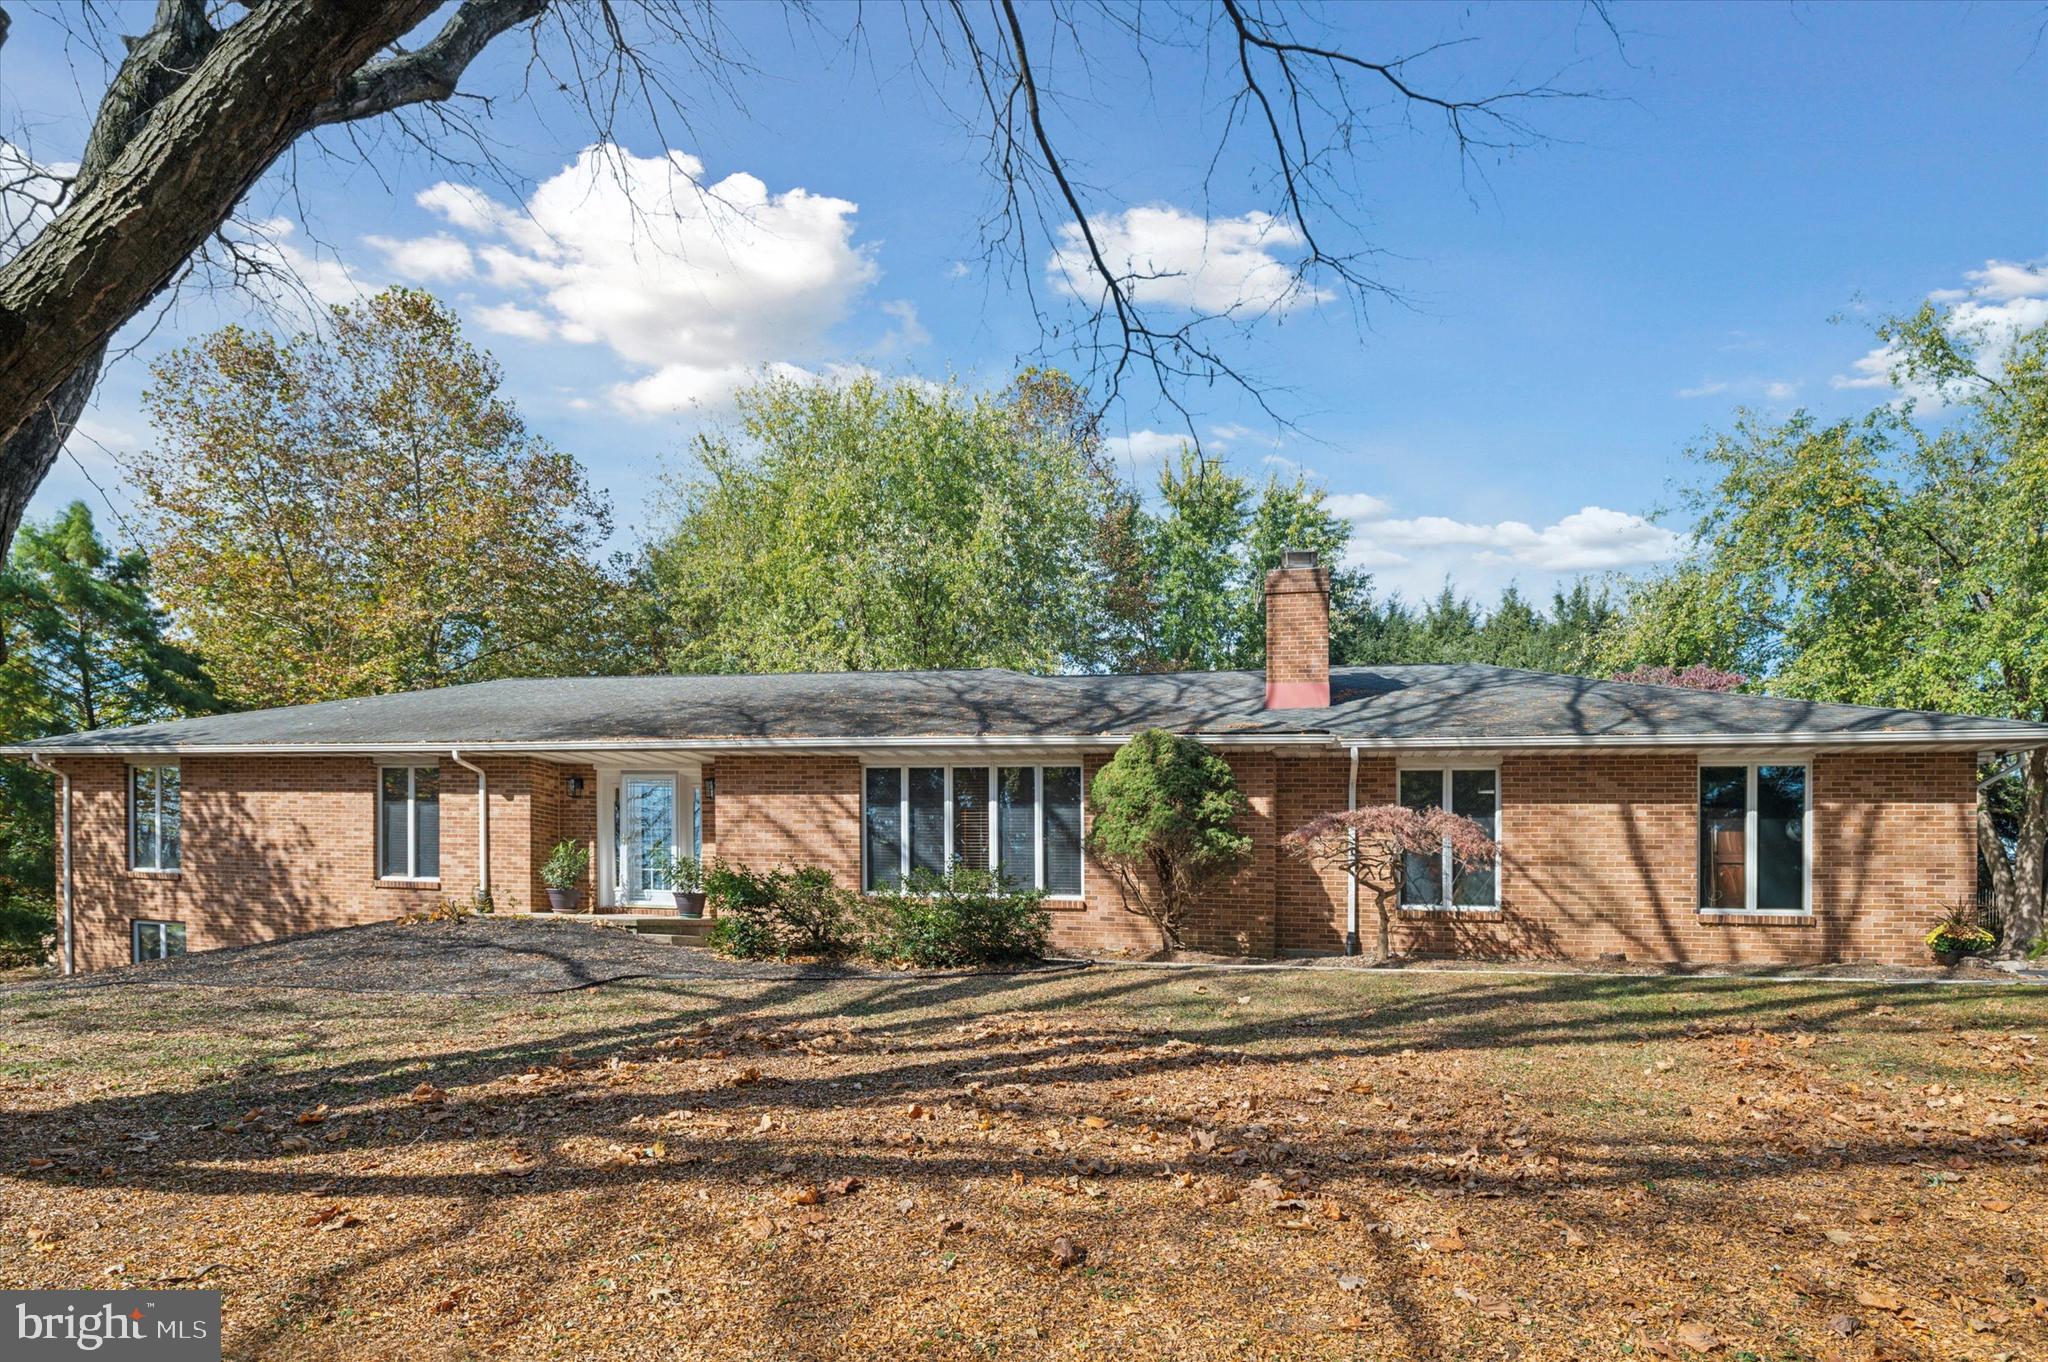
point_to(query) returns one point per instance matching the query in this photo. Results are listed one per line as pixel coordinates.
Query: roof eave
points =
(1970, 740)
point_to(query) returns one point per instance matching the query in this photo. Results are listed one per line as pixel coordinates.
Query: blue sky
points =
(1572, 317)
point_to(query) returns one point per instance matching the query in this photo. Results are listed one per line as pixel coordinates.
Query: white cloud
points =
(2003, 299)
(909, 332)
(702, 287)
(1356, 505)
(1781, 391)
(1414, 555)
(1166, 256)
(510, 319)
(1707, 389)
(435, 259)
(1143, 446)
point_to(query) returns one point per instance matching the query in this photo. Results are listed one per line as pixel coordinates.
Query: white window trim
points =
(412, 822)
(1749, 820)
(1444, 872)
(135, 955)
(995, 849)
(155, 865)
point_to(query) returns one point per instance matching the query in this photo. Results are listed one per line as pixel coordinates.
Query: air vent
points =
(1297, 558)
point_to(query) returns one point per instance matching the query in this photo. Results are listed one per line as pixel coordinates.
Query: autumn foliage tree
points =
(361, 511)
(1165, 825)
(1372, 845)
(1697, 676)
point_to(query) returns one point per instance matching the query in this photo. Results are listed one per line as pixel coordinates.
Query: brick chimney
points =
(1298, 633)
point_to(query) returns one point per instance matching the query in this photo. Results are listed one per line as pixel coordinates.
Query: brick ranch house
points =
(1641, 821)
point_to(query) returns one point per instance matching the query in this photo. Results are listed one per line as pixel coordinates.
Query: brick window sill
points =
(408, 884)
(1742, 917)
(1462, 914)
(152, 873)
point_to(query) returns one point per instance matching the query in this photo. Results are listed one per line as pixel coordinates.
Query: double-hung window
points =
(153, 823)
(1438, 881)
(409, 823)
(1755, 848)
(1022, 822)
(157, 941)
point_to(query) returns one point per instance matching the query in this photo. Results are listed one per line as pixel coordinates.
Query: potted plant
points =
(562, 873)
(683, 877)
(1959, 934)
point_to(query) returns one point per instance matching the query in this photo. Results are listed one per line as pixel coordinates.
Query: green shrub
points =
(28, 930)
(811, 913)
(962, 918)
(736, 889)
(2039, 950)
(743, 934)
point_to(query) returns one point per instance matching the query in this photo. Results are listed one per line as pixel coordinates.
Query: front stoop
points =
(663, 927)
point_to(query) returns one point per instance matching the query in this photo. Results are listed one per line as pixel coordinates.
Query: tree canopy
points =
(361, 511)
(876, 525)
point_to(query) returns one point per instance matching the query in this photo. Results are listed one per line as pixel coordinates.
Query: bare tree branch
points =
(431, 73)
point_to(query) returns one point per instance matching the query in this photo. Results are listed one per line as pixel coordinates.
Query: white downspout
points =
(483, 821)
(63, 855)
(1351, 879)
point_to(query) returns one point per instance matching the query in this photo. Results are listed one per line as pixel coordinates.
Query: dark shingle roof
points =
(1409, 705)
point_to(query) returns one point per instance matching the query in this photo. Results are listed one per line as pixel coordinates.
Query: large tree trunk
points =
(126, 232)
(2019, 897)
(27, 455)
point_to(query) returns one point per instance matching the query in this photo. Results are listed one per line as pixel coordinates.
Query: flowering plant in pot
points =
(683, 877)
(562, 874)
(1959, 934)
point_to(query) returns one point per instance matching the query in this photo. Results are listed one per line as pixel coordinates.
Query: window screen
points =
(884, 851)
(928, 819)
(1016, 825)
(1062, 790)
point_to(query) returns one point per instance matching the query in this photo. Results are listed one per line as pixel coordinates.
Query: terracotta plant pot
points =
(564, 900)
(690, 904)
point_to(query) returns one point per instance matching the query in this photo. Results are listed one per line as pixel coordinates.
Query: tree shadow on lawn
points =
(1048, 1052)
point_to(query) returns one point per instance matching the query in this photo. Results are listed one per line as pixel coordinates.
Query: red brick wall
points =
(1599, 854)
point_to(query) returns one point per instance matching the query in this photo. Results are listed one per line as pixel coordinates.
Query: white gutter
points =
(64, 854)
(1967, 739)
(1351, 879)
(483, 820)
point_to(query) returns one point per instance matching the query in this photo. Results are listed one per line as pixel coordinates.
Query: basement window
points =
(153, 818)
(1756, 849)
(1022, 822)
(409, 823)
(157, 941)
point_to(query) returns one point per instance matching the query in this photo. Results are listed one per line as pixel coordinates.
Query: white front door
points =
(647, 831)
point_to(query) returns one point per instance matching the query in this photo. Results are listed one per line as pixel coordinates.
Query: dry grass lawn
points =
(1232, 1164)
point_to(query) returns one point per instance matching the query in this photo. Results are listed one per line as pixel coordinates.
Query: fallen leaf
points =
(1492, 1306)
(1451, 1240)
(1845, 1325)
(1066, 1253)
(1697, 1336)
(1878, 1298)
(313, 1117)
